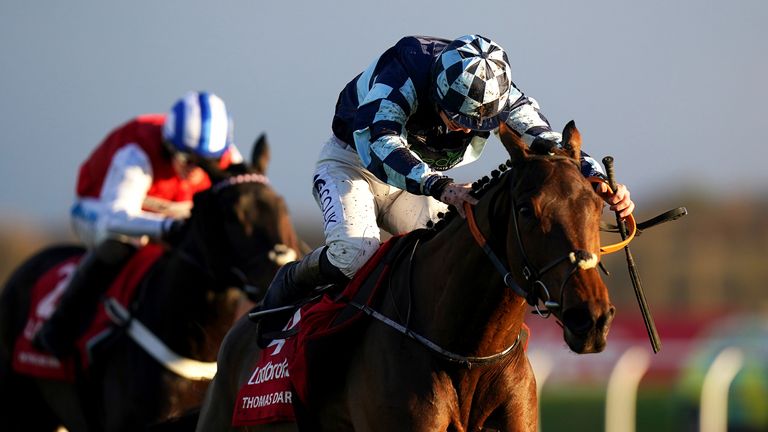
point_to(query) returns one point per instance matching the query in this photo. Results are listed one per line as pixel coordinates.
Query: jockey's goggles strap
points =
(629, 220)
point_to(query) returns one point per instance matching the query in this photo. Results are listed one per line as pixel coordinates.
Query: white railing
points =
(621, 395)
(713, 409)
(624, 383)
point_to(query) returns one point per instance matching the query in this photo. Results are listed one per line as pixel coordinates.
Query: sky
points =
(674, 90)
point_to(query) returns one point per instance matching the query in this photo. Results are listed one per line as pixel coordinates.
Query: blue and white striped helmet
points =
(472, 82)
(198, 124)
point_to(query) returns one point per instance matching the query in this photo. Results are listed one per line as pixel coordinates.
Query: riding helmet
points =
(472, 81)
(199, 124)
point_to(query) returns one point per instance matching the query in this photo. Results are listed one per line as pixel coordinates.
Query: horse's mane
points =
(482, 185)
(479, 189)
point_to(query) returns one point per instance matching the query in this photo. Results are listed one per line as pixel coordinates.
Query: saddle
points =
(314, 345)
(360, 290)
(43, 299)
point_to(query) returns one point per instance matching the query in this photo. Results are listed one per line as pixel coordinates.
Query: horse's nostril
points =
(604, 320)
(578, 320)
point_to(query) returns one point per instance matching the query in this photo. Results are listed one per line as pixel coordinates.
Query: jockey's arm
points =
(528, 121)
(125, 188)
(380, 134)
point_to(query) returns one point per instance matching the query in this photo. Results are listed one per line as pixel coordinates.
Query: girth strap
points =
(467, 361)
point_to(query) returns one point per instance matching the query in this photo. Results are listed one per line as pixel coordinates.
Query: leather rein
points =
(578, 259)
(536, 290)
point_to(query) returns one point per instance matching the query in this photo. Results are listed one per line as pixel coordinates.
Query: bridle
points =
(279, 253)
(578, 259)
(535, 290)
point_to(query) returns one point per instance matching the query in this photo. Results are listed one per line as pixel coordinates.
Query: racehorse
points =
(445, 351)
(238, 234)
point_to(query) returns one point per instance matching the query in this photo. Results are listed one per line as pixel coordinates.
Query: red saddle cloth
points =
(282, 371)
(44, 299)
(267, 396)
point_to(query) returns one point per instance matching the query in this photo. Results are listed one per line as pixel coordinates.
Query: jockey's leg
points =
(75, 310)
(296, 280)
(347, 196)
(407, 212)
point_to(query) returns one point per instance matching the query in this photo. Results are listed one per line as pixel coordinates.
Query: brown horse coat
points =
(541, 216)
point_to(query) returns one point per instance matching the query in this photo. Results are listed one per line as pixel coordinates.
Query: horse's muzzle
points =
(586, 325)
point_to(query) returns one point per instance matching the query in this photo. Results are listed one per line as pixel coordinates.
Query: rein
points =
(578, 259)
(466, 361)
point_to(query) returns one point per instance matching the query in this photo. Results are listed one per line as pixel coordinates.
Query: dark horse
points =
(464, 367)
(239, 233)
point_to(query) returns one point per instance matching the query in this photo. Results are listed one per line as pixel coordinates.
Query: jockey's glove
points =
(174, 231)
(456, 195)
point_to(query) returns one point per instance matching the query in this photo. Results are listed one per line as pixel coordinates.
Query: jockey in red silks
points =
(136, 186)
(424, 106)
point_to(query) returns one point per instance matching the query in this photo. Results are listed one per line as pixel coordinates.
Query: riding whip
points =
(634, 275)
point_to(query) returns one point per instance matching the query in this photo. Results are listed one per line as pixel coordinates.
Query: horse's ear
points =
(572, 140)
(515, 145)
(260, 154)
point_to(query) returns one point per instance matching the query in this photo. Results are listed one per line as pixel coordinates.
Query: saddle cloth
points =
(279, 379)
(44, 299)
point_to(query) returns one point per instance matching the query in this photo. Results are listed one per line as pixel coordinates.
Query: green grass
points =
(582, 409)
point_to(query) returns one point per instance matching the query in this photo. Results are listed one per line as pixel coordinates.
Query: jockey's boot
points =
(77, 304)
(296, 280)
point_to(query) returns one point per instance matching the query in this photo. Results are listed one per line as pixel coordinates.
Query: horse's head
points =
(554, 234)
(241, 226)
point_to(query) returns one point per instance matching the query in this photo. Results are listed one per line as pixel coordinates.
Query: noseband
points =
(536, 291)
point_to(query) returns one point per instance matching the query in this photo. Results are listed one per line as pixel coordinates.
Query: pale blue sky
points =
(674, 90)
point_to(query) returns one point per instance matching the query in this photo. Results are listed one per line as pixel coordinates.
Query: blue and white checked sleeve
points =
(528, 121)
(380, 134)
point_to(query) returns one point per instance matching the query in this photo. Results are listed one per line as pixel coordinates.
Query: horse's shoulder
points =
(240, 341)
(239, 351)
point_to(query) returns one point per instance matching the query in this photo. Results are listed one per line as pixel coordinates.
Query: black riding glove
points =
(174, 231)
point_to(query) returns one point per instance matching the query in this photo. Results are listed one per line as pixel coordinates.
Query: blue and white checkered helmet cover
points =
(198, 123)
(472, 82)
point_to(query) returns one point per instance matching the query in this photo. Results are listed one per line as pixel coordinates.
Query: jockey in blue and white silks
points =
(422, 107)
(388, 114)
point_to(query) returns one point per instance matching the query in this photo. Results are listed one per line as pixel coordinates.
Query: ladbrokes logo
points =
(269, 372)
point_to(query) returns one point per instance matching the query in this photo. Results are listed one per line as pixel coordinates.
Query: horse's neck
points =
(180, 295)
(459, 296)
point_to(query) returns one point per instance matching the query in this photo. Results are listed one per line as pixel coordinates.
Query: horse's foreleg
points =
(237, 355)
(216, 412)
(520, 412)
(22, 407)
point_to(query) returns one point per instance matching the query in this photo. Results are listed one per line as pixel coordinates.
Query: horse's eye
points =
(525, 211)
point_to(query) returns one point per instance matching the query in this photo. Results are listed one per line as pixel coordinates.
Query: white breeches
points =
(355, 205)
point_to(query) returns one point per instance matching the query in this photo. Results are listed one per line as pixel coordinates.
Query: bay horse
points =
(457, 361)
(238, 234)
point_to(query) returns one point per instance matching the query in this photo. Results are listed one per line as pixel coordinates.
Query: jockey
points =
(424, 106)
(136, 186)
